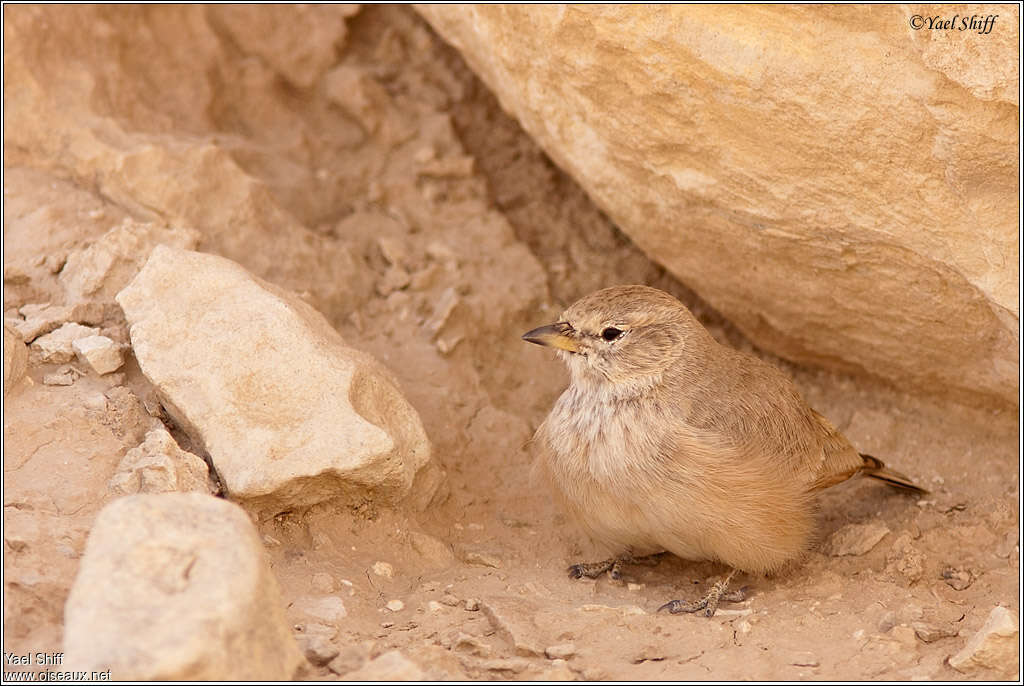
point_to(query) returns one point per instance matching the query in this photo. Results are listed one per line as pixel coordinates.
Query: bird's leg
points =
(612, 565)
(708, 603)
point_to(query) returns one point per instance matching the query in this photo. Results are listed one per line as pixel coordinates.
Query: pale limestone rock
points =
(159, 465)
(175, 587)
(840, 186)
(391, 666)
(106, 266)
(99, 352)
(288, 414)
(44, 318)
(994, 647)
(855, 539)
(15, 359)
(514, 621)
(56, 346)
(327, 608)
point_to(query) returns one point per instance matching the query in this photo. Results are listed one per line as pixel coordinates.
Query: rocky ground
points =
(383, 184)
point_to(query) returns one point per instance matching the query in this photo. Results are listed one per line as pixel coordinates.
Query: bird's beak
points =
(553, 336)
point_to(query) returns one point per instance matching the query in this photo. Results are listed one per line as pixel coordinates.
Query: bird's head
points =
(627, 336)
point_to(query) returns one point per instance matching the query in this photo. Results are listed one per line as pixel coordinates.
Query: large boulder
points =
(175, 587)
(840, 185)
(289, 414)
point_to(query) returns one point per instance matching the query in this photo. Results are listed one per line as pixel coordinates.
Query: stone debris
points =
(15, 359)
(100, 353)
(391, 666)
(958, 578)
(929, 632)
(289, 415)
(482, 557)
(442, 310)
(159, 465)
(56, 346)
(384, 569)
(103, 268)
(395, 605)
(905, 559)
(323, 582)
(465, 643)
(995, 646)
(350, 658)
(433, 551)
(316, 642)
(65, 376)
(513, 619)
(328, 608)
(562, 651)
(175, 587)
(855, 539)
(515, 665)
(40, 319)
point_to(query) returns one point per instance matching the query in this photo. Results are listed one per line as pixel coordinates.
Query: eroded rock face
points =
(175, 587)
(839, 185)
(289, 415)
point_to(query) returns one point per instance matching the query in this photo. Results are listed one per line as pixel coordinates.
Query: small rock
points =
(434, 606)
(993, 647)
(433, 551)
(450, 600)
(290, 415)
(391, 666)
(317, 648)
(805, 660)
(514, 665)
(328, 607)
(394, 279)
(442, 310)
(15, 359)
(855, 539)
(513, 619)
(322, 582)
(471, 605)
(562, 651)
(395, 605)
(100, 353)
(930, 632)
(350, 658)
(905, 559)
(175, 587)
(159, 465)
(1008, 545)
(958, 578)
(558, 671)
(635, 587)
(471, 644)
(56, 346)
(383, 569)
(65, 376)
(481, 557)
(44, 318)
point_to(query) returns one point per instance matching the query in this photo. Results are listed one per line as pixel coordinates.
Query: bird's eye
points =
(611, 333)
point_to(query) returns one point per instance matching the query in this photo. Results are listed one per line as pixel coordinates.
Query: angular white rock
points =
(994, 647)
(175, 587)
(56, 346)
(159, 465)
(289, 415)
(99, 352)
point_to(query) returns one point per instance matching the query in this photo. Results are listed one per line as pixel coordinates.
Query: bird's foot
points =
(708, 603)
(612, 565)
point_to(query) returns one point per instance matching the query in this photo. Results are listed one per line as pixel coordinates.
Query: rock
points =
(329, 608)
(855, 539)
(106, 266)
(15, 359)
(513, 621)
(315, 641)
(40, 319)
(100, 353)
(65, 376)
(323, 582)
(391, 666)
(929, 632)
(159, 465)
(515, 665)
(433, 551)
(994, 647)
(958, 578)
(562, 651)
(471, 605)
(289, 415)
(174, 587)
(56, 346)
(350, 658)
(384, 569)
(471, 644)
(875, 258)
(395, 605)
(481, 557)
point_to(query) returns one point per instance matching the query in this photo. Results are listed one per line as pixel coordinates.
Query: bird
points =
(667, 441)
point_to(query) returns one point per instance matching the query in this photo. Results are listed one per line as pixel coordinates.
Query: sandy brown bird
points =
(666, 440)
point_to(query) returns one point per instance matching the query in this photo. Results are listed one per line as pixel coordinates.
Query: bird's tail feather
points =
(876, 469)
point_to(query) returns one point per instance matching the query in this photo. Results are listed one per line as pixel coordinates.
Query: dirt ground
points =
(481, 213)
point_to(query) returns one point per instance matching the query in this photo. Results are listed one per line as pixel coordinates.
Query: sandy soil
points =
(485, 595)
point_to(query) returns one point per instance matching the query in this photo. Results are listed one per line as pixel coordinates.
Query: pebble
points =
(957, 578)
(855, 539)
(434, 606)
(383, 569)
(61, 377)
(450, 600)
(562, 651)
(100, 353)
(472, 605)
(395, 605)
(929, 632)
